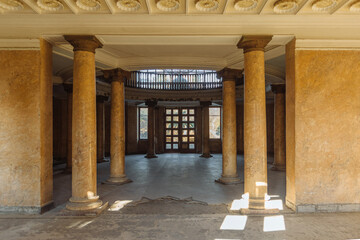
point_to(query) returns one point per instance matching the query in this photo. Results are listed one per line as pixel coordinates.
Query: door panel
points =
(180, 131)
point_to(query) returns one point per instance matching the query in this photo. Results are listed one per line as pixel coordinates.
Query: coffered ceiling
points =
(190, 7)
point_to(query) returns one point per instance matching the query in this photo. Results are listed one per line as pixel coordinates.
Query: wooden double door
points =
(180, 130)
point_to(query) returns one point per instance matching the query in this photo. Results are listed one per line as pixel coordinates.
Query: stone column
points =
(117, 131)
(205, 129)
(84, 196)
(69, 89)
(151, 129)
(229, 163)
(279, 128)
(100, 128)
(255, 151)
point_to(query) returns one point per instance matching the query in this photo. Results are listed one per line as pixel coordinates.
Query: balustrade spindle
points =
(194, 80)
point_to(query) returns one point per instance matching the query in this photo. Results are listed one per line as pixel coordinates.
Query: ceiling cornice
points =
(327, 44)
(302, 26)
(20, 44)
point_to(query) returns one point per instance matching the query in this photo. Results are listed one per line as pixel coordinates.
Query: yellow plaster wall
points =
(327, 94)
(25, 130)
(323, 127)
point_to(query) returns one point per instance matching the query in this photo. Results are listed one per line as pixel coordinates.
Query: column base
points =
(118, 180)
(249, 211)
(150, 156)
(84, 213)
(229, 180)
(84, 204)
(281, 168)
(206, 155)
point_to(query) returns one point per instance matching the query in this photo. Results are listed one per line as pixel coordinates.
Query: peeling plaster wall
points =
(326, 124)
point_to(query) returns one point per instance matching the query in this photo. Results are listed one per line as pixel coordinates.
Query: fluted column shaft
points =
(255, 150)
(84, 193)
(279, 128)
(205, 130)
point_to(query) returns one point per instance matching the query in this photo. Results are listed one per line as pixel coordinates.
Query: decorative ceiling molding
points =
(11, 5)
(187, 7)
(88, 5)
(285, 6)
(168, 5)
(207, 5)
(323, 5)
(50, 5)
(128, 5)
(72, 5)
(245, 5)
(355, 6)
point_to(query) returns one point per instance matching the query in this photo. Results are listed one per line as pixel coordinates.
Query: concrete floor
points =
(177, 175)
(180, 176)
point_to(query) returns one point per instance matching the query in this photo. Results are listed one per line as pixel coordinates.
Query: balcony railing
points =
(173, 81)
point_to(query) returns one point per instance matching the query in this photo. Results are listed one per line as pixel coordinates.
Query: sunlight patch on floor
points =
(119, 204)
(234, 222)
(274, 204)
(274, 223)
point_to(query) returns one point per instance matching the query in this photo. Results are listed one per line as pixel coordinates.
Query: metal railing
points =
(173, 81)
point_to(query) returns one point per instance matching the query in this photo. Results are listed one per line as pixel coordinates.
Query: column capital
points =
(151, 103)
(116, 74)
(205, 103)
(68, 88)
(254, 42)
(101, 99)
(228, 74)
(278, 88)
(86, 43)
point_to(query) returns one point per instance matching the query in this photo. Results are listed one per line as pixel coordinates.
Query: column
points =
(151, 129)
(229, 163)
(69, 89)
(117, 130)
(84, 196)
(279, 128)
(205, 129)
(255, 152)
(100, 128)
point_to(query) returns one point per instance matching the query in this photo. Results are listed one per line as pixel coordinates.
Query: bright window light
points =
(234, 222)
(274, 223)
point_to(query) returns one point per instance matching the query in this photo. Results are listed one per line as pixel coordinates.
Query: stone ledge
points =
(27, 209)
(329, 208)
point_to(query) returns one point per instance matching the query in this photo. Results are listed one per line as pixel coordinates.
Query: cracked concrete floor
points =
(180, 176)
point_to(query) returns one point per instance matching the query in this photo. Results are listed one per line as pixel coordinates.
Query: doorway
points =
(180, 131)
